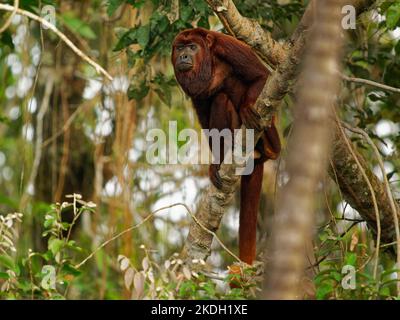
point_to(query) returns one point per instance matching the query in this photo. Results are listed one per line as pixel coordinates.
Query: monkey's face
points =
(192, 61)
(186, 56)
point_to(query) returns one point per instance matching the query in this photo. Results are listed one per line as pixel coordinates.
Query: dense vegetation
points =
(78, 198)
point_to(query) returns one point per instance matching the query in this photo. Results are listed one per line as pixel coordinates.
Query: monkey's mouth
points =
(184, 66)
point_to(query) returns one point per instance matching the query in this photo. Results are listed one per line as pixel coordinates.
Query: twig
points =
(39, 137)
(371, 190)
(388, 191)
(389, 244)
(65, 127)
(318, 262)
(144, 221)
(62, 36)
(370, 83)
(213, 276)
(8, 21)
(352, 220)
(65, 148)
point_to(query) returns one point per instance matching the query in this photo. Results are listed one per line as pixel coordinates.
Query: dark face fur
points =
(186, 56)
(192, 63)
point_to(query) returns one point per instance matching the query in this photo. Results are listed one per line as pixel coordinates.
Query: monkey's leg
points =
(223, 115)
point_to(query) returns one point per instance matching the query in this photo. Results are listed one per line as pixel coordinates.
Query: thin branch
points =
(62, 36)
(389, 244)
(371, 190)
(39, 138)
(65, 127)
(213, 276)
(388, 191)
(317, 263)
(370, 83)
(148, 218)
(8, 21)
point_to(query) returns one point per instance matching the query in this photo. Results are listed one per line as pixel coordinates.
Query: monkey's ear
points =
(210, 40)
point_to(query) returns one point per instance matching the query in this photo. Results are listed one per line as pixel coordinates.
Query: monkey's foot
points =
(215, 176)
(250, 117)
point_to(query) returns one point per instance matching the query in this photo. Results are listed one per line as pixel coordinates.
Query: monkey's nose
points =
(184, 58)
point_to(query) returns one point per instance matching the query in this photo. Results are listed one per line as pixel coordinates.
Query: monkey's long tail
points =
(250, 190)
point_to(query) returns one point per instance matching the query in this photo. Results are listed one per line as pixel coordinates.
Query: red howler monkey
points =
(224, 78)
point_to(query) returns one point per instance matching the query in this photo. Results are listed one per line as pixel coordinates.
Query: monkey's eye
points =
(180, 48)
(193, 47)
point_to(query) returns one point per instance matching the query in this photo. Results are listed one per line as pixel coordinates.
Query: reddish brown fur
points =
(225, 81)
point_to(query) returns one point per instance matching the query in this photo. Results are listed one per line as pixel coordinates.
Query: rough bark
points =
(249, 31)
(213, 204)
(355, 189)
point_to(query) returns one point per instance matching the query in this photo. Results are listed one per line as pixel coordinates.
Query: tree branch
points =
(249, 31)
(370, 83)
(9, 19)
(62, 36)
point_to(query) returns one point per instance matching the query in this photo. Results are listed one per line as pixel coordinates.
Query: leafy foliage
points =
(45, 274)
(123, 269)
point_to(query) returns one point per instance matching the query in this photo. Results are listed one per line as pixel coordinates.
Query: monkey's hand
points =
(250, 117)
(214, 175)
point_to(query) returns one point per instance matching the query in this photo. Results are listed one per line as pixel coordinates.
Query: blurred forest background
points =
(73, 145)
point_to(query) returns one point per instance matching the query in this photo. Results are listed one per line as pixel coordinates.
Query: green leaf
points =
(138, 92)
(389, 282)
(7, 262)
(186, 13)
(385, 291)
(323, 290)
(140, 35)
(25, 286)
(4, 275)
(55, 245)
(163, 88)
(126, 39)
(113, 5)
(389, 272)
(8, 201)
(200, 6)
(6, 39)
(336, 275)
(393, 15)
(69, 269)
(136, 3)
(187, 289)
(72, 245)
(397, 48)
(351, 258)
(48, 223)
(143, 35)
(209, 288)
(78, 26)
(203, 22)
(324, 275)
